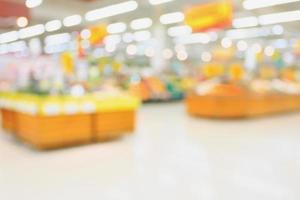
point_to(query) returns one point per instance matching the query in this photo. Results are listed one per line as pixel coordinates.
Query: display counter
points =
(56, 121)
(248, 104)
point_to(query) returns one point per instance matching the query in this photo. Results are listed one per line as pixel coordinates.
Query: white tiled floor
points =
(171, 156)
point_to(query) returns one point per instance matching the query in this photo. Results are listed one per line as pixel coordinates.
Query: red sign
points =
(10, 8)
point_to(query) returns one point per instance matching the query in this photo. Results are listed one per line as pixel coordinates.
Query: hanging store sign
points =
(98, 34)
(208, 16)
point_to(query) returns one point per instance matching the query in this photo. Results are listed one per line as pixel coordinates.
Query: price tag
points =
(88, 107)
(70, 108)
(51, 109)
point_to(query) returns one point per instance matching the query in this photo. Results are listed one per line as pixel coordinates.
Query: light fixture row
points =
(256, 4)
(73, 20)
(267, 19)
(138, 24)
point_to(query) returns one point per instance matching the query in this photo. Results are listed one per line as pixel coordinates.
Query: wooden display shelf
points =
(110, 125)
(9, 121)
(47, 132)
(48, 122)
(50, 132)
(246, 105)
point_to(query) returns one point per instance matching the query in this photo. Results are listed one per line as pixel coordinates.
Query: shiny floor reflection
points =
(171, 156)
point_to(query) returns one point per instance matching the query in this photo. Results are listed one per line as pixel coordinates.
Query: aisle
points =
(172, 156)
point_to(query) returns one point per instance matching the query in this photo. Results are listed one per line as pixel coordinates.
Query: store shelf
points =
(246, 105)
(52, 125)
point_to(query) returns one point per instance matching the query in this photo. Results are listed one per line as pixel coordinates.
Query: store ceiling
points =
(58, 9)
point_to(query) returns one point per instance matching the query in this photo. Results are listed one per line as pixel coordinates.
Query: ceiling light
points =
(72, 20)
(281, 17)
(241, 45)
(269, 51)
(245, 22)
(141, 23)
(255, 4)
(206, 56)
(53, 25)
(85, 34)
(167, 53)
(182, 55)
(131, 49)
(157, 2)
(226, 43)
(249, 33)
(202, 38)
(31, 31)
(171, 18)
(17, 46)
(8, 37)
(116, 28)
(57, 39)
(22, 22)
(142, 36)
(33, 3)
(111, 10)
(179, 31)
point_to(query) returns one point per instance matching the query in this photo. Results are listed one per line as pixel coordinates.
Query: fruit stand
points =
(47, 122)
(230, 102)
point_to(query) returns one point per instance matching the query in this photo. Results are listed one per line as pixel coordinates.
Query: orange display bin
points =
(246, 105)
(110, 125)
(216, 106)
(47, 132)
(48, 122)
(9, 121)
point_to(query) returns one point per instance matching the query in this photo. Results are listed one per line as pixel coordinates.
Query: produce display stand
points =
(248, 104)
(54, 122)
(8, 120)
(113, 117)
(109, 125)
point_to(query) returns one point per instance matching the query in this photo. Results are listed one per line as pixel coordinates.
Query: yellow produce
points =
(236, 72)
(212, 70)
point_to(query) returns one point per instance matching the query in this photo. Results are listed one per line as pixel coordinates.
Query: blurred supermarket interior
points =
(150, 99)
